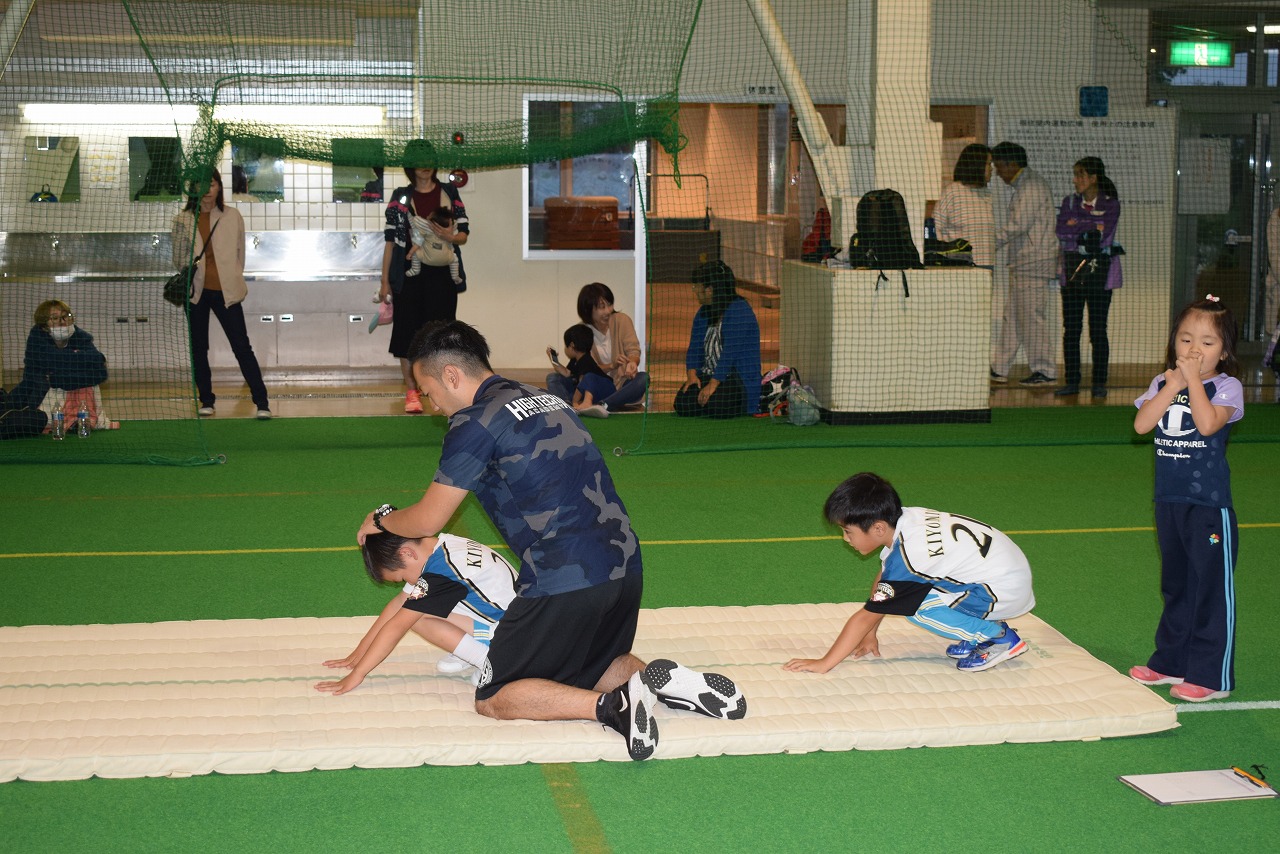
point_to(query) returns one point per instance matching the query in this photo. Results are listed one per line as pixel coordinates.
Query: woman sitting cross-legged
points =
(723, 359)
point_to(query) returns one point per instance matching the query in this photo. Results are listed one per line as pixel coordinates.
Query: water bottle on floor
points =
(59, 423)
(82, 422)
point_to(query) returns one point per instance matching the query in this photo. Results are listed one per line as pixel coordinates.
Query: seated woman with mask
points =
(64, 356)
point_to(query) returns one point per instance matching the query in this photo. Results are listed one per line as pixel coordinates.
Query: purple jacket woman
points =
(1090, 270)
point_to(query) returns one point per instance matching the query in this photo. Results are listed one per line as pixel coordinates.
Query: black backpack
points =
(883, 240)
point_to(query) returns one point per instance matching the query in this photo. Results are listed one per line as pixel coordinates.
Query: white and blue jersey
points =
(464, 577)
(973, 567)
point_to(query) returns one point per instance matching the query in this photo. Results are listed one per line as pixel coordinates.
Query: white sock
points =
(471, 651)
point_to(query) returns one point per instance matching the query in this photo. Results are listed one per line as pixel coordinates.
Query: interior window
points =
(51, 168)
(354, 180)
(257, 174)
(155, 168)
(585, 202)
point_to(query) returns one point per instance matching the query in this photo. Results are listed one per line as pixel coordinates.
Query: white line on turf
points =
(1228, 707)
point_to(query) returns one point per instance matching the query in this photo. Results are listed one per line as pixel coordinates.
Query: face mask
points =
(61, 333)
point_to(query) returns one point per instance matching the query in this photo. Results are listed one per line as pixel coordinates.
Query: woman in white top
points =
(965, 207)
(218, 288)
(616, 349)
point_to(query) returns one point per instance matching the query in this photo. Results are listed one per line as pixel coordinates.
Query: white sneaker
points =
(263, 415)
(595, 410)
(451, 664)
(710, 694)
(205, 411)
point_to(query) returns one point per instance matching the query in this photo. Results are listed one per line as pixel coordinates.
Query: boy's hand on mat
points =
(869, 645)
(807, 665)
(349, 682)
(871, 648)
(349, 662)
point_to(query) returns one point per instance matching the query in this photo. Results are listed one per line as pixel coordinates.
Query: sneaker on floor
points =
(1147, 676)
(451, 664)
(998, 378)
(707, 694)
(1068, 390)
(629, 710)
(263, 414)
(1036, 378)
(595, 410)
(961, 649)
(412, 402)
(205, 411)
(1196, 693)
(1099, 392)
(990, 653)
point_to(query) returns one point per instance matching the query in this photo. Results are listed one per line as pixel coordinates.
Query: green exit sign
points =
(1204, 54)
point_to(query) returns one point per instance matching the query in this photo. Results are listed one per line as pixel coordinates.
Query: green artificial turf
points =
(271, 533)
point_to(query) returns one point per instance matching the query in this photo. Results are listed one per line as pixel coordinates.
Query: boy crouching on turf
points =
(449, 582)
(949, 574)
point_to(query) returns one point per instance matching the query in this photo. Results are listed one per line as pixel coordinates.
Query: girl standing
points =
(1087, 223)
(1191, 407)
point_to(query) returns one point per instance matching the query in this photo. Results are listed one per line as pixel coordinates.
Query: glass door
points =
(1226, 194)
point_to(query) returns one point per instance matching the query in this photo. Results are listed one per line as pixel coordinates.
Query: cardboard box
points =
(582, 222)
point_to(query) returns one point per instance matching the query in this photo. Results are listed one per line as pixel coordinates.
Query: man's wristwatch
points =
(378, 514)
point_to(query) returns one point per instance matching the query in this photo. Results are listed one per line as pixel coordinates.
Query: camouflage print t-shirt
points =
(536, 472)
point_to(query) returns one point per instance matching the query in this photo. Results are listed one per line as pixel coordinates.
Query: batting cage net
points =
(829, 222)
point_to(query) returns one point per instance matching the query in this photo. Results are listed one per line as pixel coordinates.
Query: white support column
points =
(908, 145)
(891, 142)
(830, 161)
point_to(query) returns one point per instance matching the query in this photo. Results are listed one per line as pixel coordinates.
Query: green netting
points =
(669, 134)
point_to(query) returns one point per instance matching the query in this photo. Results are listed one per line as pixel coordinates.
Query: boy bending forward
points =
(949, 574)
(449, 583)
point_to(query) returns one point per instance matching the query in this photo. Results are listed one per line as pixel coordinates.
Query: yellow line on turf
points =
(728, 541)
(586, 834)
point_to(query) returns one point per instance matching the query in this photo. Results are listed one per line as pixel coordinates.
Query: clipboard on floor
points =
(1200, 787)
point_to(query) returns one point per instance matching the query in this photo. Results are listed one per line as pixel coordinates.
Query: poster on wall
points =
(1137, 150)
(101, 168)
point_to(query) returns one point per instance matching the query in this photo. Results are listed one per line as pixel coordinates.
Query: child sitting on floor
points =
(455, 591)
(949, 574)
(592, 384)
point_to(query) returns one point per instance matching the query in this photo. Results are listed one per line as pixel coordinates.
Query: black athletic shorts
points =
(570, 638)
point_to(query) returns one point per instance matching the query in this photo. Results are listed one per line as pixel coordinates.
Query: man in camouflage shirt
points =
(563, 649)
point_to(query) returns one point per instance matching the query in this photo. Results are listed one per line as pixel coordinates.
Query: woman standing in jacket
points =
(218, 288)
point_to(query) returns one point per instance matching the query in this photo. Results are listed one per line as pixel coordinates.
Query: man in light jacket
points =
(1031, 254)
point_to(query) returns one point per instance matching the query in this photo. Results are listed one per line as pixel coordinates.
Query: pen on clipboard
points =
(1259, 780)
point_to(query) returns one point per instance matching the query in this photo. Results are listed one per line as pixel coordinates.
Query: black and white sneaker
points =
(709, 694)
(1036, 378)
(629, 710)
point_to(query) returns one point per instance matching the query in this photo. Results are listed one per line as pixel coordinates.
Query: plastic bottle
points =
(59, 423)
(82, 422)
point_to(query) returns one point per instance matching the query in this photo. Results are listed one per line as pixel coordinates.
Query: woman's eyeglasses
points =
(60, 319)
